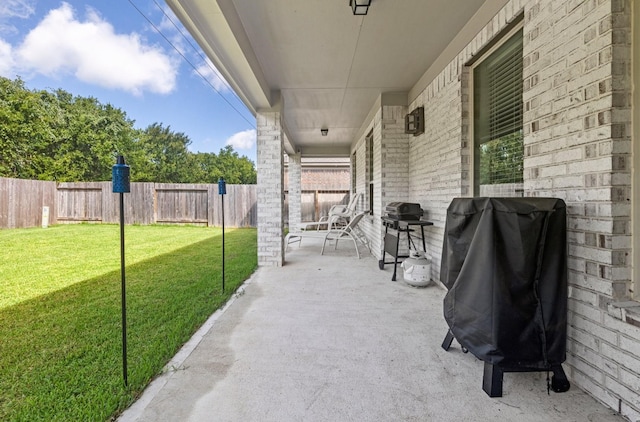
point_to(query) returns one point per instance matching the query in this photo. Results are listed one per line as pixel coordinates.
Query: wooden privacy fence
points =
(22, 203)
(317, 203)
(151, 203)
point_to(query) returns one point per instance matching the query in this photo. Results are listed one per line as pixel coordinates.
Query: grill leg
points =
(559, 381)
(448, 339)
(492, 380)
(395, 257)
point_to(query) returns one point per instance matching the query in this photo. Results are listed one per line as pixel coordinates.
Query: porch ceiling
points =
(324, 66)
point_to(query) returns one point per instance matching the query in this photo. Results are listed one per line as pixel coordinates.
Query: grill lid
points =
(404, 210)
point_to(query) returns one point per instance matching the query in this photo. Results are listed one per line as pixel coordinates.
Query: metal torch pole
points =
(124, 295)
(120, 181)
(222, 190)
(222, 243)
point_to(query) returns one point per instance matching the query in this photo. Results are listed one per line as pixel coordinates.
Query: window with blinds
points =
(354, 173)
(369, 147)
(497, 110)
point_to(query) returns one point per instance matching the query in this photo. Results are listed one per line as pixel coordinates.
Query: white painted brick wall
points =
(573, 157)
(577, 126)
(368, 224)
(295, 189)
(270, 189)
(390, 170)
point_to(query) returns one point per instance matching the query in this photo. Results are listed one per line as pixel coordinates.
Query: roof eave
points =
(216, 27)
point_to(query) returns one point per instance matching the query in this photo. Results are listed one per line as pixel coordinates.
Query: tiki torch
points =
(121, 185)
(222, 191)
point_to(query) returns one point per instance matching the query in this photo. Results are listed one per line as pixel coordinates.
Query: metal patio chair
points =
(341, 211)
(350, 231)
(335, 233)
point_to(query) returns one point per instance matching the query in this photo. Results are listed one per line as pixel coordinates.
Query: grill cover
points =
(504, 264)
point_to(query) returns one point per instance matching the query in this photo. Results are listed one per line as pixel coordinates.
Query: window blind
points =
(498, 92)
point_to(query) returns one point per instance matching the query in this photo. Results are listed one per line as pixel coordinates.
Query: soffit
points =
(321, 64)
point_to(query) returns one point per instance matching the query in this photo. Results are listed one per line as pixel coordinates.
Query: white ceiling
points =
(323, 65)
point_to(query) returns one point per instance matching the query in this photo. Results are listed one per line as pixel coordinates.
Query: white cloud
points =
(94, 53)
(168, 19)
(13, 9)
(17, 8)
(211, 74)
(169, 25)
(243, 140)
(6, 60)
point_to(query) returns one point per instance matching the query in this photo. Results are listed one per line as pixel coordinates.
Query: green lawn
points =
(60, 312)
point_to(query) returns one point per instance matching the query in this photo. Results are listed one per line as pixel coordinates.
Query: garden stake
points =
(120, 180)
(222, 190)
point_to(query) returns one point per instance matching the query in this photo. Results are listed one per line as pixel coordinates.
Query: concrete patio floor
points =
(332, 338)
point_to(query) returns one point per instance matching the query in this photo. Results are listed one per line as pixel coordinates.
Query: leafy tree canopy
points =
(58, 136)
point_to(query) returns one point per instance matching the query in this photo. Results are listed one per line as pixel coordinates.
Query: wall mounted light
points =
(414, 122)
(360, 7)
(324, 131)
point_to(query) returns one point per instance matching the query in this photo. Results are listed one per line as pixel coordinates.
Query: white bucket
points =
(417, 269)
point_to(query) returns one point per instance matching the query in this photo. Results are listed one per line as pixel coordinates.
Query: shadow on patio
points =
(331, 338)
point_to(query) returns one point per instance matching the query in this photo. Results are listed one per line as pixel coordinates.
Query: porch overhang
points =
(217, 28)
(324, 67)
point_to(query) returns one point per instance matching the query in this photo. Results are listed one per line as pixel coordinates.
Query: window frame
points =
(369, 176)
(354, 173)
(480, 58)
(635, 151)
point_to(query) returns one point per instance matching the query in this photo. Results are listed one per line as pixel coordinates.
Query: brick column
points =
(295, 189)
(270, 167)
(395, 156)
(394, 162)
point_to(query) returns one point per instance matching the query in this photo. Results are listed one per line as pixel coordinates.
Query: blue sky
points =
(109, 50)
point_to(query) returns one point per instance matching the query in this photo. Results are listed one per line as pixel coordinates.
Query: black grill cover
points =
(504, 264)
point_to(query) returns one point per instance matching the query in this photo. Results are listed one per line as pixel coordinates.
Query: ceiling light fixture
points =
(360, 7)
(324, 131)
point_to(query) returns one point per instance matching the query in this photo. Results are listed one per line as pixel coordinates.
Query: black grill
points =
(403, 211)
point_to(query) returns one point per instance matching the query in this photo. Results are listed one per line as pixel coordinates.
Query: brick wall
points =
(294, 188)
(394, 172)
(577, 126)
(318, 175)
(439, 158)
(390, 170)
(577, 97)
(394, 152)
(270, 164)
(325, 179)
(360, 176)
(370, 225)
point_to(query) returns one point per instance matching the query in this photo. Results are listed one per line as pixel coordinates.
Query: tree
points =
(236, 169)
(91, 136)
(26, 131)
(54, 135)
(501, 160)
(209, 167)
(166, 154)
